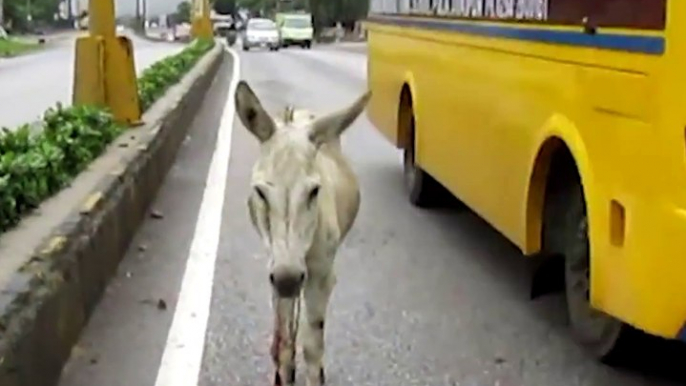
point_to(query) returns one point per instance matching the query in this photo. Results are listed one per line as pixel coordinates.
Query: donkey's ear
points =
(333, 125)
(252, 114)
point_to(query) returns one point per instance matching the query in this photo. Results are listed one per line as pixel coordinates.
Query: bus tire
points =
(602, 335)
(423, 190)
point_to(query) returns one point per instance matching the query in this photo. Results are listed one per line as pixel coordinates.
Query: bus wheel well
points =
(565, 263)
(404, 117)
(555, 172)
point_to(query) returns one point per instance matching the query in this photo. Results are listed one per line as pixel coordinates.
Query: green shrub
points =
(157, 79)
(35, 164)
(12, 47)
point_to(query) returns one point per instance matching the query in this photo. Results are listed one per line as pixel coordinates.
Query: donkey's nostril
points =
(287, 281)
(271, 278)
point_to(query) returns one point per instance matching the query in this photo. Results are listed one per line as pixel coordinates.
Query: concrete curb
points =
(55, 266)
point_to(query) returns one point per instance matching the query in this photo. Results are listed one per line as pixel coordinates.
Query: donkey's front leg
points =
(283, 343)
(316, 295)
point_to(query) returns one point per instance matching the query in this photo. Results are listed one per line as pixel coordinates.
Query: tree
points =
(183, 12)
(16, 12)
(270, 6)
(324, 12)
(225, 7)
(256, 6)
(328, 12)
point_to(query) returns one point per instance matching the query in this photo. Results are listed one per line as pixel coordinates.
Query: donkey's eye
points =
(313, 194)
(260, 194)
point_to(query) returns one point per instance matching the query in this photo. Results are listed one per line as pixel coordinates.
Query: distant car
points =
(181, 32)
(295, 29)
(261, 32)
(222, 28)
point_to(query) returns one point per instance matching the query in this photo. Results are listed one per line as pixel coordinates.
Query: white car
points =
(261, 32)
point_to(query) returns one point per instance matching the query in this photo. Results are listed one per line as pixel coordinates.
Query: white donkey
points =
(304, 200)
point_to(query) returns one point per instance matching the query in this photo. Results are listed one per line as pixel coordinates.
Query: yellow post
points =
(104, 71)
(101, 18)
(201, 25)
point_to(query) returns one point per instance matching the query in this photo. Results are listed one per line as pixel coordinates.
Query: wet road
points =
(423, 297)
(31, 84)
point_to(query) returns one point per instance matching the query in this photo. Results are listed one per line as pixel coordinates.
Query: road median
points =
(56, 263)
(160, 37)
(11, 47)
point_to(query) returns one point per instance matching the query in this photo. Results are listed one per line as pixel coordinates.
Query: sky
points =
(155, 7)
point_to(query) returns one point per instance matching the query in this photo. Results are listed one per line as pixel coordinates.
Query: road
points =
(33, 83)
(423, 297)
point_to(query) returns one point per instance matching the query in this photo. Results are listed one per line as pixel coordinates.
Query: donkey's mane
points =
(288, 114)
(291, 114)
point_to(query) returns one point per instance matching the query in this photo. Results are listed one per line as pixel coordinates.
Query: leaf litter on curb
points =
(160, 304)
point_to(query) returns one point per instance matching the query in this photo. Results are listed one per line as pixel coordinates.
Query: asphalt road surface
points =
(423, 298)
(31, 84)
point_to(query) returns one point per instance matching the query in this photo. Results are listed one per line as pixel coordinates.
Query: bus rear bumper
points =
(643, 284)
(678, 216)
(666, 271)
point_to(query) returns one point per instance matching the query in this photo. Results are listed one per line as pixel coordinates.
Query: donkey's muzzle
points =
(287, 281)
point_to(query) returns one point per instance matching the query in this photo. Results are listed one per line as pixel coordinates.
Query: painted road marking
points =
(182, 358)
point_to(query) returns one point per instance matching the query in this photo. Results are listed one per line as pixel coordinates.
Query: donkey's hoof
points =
(315, 378)
(291, 376)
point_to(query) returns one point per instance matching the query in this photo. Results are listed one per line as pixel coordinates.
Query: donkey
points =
(304, 200)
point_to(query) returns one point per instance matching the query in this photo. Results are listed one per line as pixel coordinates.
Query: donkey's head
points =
(286, 184)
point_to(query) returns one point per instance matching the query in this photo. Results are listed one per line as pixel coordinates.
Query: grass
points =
(12, 47)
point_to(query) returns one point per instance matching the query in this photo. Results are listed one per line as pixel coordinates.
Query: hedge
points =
(34, 165)
(156, 79)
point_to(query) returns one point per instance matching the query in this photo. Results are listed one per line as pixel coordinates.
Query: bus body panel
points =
(486, 109)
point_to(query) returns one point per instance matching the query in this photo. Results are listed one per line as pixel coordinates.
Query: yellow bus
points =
(561, 123)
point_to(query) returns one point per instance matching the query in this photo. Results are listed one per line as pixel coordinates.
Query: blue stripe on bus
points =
(682, 333)
(654, 45)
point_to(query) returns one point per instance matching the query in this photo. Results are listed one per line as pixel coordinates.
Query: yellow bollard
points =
(104, 71)
(201, 25)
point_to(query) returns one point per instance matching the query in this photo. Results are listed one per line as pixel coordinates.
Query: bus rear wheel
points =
(423, 190)
(603, 336)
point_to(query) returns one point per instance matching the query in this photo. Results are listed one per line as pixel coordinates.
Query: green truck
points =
(296, 29)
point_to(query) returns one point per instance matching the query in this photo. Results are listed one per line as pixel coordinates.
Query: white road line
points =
(182, 358)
